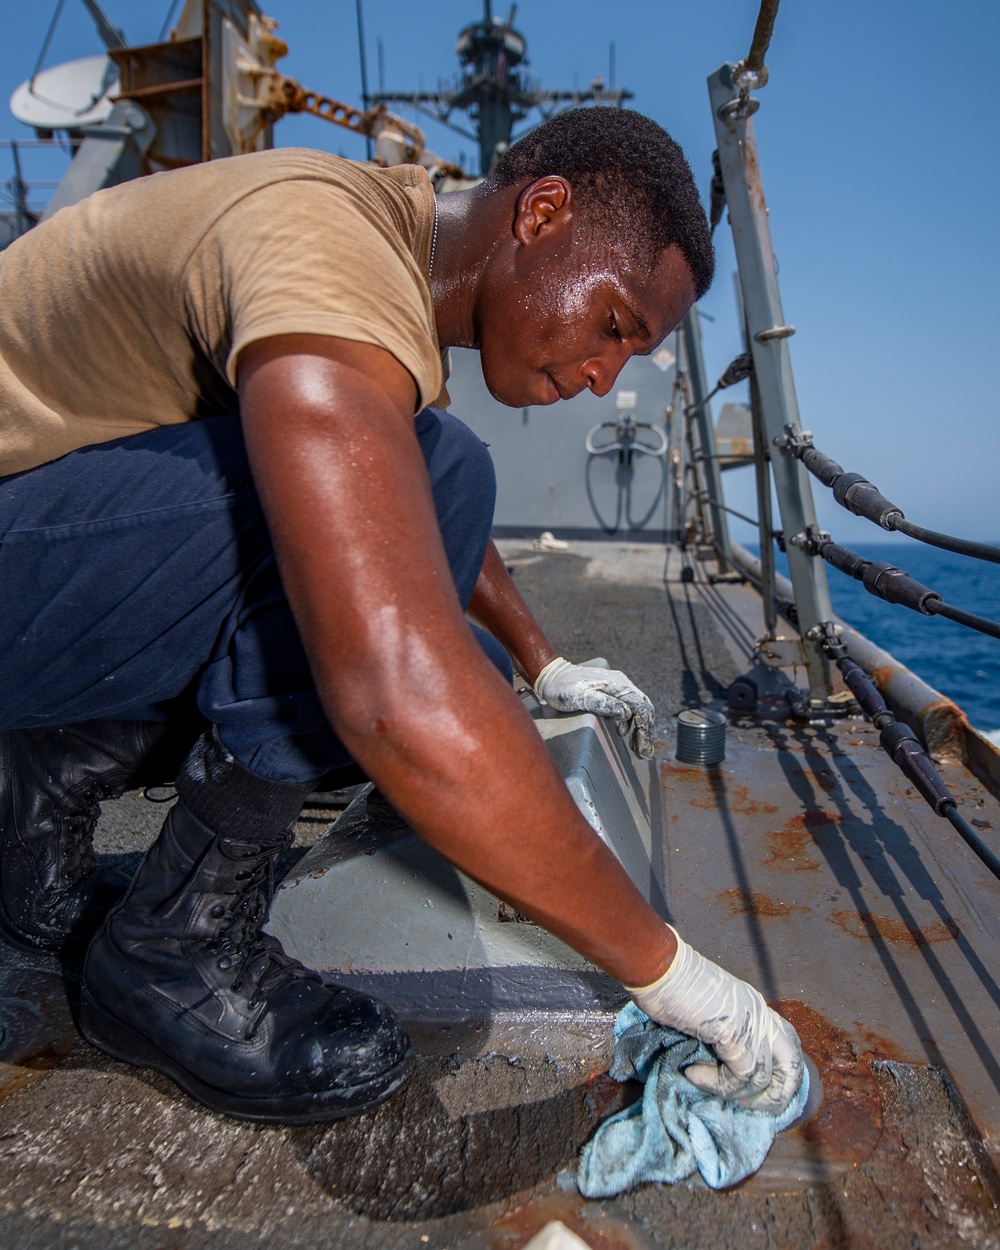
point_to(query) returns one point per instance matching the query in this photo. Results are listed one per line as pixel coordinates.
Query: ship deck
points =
(804, 862)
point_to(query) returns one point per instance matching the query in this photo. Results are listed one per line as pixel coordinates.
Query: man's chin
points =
(521, 394)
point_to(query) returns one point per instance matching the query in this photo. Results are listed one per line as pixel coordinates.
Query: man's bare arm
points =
(330, 435)
(497, 606)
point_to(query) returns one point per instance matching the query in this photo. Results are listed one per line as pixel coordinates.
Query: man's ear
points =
(543, 206)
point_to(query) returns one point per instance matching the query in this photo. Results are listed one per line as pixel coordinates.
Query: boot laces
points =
(258, 958)
(76, 830)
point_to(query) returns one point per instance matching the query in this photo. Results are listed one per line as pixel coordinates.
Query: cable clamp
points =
(812, 540)
(795, 442)
(830, 639)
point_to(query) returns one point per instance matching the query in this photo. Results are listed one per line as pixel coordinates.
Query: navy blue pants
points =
(137, 581)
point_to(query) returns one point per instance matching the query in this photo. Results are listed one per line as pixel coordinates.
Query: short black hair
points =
(627, 172)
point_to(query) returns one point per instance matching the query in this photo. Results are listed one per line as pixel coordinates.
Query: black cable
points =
(704, 495)
(968, 619)
(858, 495)
(991, 860)
(717, 200)
(738, 370)
(961, 546)
(885, 581)
(902, 746)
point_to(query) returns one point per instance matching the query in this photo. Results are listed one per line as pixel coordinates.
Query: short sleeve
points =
(302, 257)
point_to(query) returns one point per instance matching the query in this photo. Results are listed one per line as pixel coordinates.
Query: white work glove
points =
(761, 1056)
(604, 691)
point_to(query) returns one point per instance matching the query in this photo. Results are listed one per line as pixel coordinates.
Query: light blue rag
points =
(675, 1127)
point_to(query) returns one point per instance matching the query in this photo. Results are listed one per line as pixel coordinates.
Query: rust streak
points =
(679, 772)
(32, 1068)
(758, 904)
(894, 929)
(849, 1121)
(737, 801)
(882, 674)
(790, 843)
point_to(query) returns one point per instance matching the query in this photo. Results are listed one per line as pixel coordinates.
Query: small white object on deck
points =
(556, 1236)
(547, 541)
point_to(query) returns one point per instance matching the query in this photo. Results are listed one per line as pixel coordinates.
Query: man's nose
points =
(601, 371)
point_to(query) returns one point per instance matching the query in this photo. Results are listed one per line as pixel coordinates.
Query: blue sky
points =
(879, 157)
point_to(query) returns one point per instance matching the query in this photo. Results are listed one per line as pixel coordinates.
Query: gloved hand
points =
(761, 1056)
(604, 691)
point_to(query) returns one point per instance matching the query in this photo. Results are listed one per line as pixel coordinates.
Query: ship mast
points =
(493, 90)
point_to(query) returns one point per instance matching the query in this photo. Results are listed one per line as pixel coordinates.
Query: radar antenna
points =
(492, 88)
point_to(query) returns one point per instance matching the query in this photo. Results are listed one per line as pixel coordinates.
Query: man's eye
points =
(615, 331)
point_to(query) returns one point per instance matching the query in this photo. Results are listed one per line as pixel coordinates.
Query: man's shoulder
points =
(258, 169)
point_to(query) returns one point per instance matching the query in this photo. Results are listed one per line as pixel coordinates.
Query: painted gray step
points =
(379, 909)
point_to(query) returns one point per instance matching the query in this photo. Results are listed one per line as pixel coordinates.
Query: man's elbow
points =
(408, 721)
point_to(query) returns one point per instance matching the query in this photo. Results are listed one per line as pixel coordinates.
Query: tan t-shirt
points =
(128, 311)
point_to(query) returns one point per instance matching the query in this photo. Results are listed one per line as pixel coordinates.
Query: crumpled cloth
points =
(676, 1128)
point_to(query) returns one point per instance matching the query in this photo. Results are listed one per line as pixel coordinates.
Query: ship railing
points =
(781, 452)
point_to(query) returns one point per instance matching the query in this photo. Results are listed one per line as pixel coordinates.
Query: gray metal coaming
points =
(772, 361)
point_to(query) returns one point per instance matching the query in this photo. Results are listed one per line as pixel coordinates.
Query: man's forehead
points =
(659, 295)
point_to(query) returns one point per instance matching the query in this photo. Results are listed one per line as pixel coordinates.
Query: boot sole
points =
(121, 1041)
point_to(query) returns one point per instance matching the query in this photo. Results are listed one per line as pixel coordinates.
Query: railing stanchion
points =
(772, 363)
(708, 470)
(765, 524)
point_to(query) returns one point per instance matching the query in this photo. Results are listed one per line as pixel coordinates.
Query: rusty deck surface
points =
(803, 863)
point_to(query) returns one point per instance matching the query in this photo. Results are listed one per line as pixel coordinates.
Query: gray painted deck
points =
(804, 863)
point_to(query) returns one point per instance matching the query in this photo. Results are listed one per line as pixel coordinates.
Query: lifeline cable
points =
(886, 581)
(751, 71)
(903, 747)
(858, 495)
(762, 32)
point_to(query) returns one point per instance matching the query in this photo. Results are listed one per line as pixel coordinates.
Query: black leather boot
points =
(181, 979)
(51, 785)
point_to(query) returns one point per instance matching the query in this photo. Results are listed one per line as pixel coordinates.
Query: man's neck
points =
(470, 225)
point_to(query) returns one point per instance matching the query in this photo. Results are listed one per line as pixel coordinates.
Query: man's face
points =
(563, 315)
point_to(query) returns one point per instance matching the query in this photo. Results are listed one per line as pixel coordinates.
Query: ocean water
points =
(961, 663)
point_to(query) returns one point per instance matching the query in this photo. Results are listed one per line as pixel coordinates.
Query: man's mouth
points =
(558, 390)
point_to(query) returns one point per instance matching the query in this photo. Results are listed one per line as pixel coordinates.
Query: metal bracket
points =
(739, 109)
(775, 332)
(781, 652)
